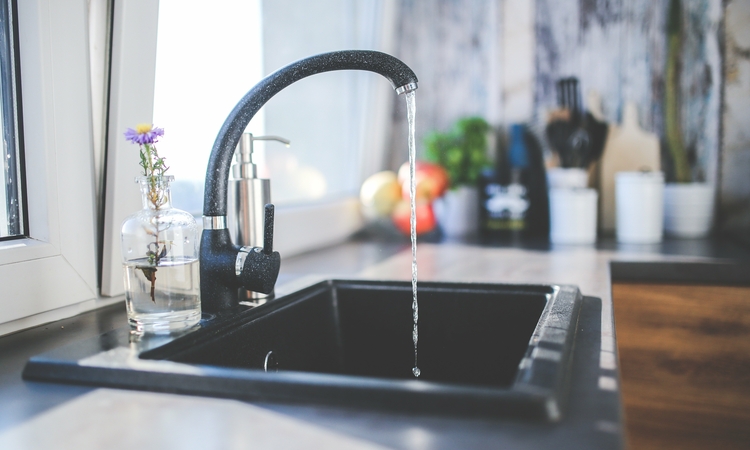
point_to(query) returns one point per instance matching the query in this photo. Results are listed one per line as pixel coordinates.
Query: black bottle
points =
(513, 196)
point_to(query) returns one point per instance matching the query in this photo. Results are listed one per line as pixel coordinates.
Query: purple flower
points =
(144, 134)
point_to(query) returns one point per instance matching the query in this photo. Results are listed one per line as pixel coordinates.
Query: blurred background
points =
(683, 65)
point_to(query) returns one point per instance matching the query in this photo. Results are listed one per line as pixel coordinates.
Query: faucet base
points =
(219, 279)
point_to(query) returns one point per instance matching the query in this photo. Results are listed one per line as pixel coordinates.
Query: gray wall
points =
(618, 48)
(452, 47)
(735, 154)
(462, 51)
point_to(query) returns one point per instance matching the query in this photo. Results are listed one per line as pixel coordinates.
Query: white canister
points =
(567, 177)
(572, 216)
(688, 209)
(639, 202)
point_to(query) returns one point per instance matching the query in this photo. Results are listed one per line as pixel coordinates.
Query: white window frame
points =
(131, 101)
(298, 228)
(53, 272)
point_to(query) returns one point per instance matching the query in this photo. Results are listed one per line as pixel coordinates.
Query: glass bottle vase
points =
(160, 261)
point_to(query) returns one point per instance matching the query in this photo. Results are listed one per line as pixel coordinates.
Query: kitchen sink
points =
(483, 349)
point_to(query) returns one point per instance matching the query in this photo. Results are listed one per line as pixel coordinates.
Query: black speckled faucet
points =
(225, 267)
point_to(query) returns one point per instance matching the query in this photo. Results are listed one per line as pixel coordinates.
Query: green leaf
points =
(461, 151)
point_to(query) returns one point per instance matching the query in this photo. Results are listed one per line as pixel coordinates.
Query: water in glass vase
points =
(160, 258)
(165, 298)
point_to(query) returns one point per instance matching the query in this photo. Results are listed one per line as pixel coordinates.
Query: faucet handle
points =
(257, 271)
(268, 229)
(257, 268)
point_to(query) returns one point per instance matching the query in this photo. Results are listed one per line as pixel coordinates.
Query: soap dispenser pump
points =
(248, 196)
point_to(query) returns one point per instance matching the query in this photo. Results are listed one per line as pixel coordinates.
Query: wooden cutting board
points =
(628, 148)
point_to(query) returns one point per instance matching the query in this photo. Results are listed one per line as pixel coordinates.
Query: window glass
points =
(207, 58)
(11, 186)
(320, 114)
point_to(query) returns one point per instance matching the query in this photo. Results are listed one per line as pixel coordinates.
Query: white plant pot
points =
(457, 211)
(688, 209)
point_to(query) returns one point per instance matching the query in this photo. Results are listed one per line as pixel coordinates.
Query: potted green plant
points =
(688, 203)
(463, 153)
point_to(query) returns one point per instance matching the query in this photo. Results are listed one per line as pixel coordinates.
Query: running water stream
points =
(410, 113)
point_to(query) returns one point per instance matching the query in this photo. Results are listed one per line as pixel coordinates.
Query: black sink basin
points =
(483, 348)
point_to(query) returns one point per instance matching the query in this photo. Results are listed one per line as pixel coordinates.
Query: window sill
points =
(299, 229)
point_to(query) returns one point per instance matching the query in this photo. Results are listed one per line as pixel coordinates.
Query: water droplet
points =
(416, 371)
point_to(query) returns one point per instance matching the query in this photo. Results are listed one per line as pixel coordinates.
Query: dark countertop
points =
(595, 413)
(716, 247)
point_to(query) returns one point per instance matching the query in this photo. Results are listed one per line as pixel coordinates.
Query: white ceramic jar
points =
(639, 205)
(572, 216)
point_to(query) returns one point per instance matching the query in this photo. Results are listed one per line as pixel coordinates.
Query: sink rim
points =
(539, 390)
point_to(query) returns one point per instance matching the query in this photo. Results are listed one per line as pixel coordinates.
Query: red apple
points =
(431, 180)
(425, 217)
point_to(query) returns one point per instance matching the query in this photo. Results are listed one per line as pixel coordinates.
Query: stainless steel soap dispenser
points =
(248, 196)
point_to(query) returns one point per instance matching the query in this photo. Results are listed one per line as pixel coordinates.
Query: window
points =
(201, 73)
(208, 58)
(49, 269)
(12, 223)
(53, 266)
(335, 120)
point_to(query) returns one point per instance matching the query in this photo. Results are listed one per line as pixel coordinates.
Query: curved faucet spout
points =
(399, 74)
(224, 267)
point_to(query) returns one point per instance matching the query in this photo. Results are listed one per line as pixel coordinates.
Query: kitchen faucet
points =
(224, 267)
